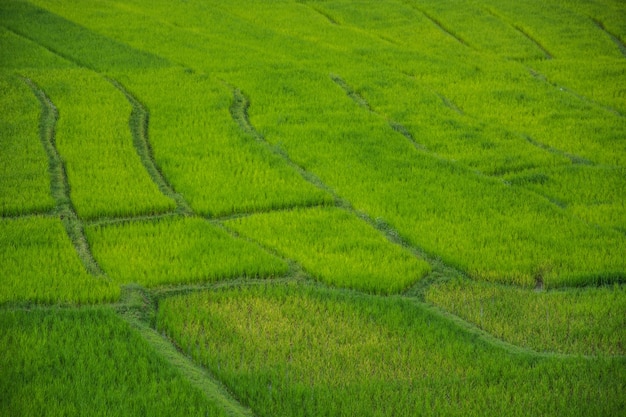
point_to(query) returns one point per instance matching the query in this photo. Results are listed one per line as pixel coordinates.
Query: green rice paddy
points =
(312, 208)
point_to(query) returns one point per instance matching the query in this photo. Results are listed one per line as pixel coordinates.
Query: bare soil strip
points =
(59, 186)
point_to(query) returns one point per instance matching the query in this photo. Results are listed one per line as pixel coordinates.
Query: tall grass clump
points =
(177, 251)
(87, 362)
(336, 247)
(38, 264)
(298, 351)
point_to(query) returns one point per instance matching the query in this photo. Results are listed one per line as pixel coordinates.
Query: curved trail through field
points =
(323, 13)
(239, 113)
(59, 186)
(138, 123)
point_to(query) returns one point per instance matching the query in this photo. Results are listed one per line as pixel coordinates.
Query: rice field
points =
(312, 208)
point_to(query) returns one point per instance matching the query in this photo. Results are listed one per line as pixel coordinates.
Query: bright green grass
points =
(87, 362)
(441, 128)
(589, 321)
(18, 52)
(70, 40)
(204, 153)
(294, 351)
(481, 226)
(551, 25)
(491, 230)
(581, 76)
(24, 178)
(596, 194)
(176, 251)
(93, 137)
(336, 247)
(39, 264)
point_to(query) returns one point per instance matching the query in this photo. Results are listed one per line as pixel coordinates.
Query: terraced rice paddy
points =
(310, 208)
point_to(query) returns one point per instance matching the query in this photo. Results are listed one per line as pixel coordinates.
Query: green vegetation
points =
(105, 174)
(589, 321)
(70, 40)
(595, 194)
(207, 158)
(175, 251)
(87, 361)
(39, 264)
(296, 351)
(336, 247)
(208, 170)
(24, 179)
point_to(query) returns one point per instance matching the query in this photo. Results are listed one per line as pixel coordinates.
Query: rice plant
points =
(38, 264)
(298, 351)
(24, 178)
(87, 361)
(216, 166)
(177, 251)
(105, 174)
(577, 321)
(336, 247)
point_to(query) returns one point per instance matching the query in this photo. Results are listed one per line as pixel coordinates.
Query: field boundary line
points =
(197, 375)
(490, 339)
(68, 58)
(59, 185)
(107, 221)
(575, 159)
(363, 103)
(351, 92)
(438, 24)
(240, 215)
(239, 113)
(518, 28)
(538, 76)
(521, 30)
(138, 124)
(450, 104)
(29, 215)
(326, 15)
(614, 38)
